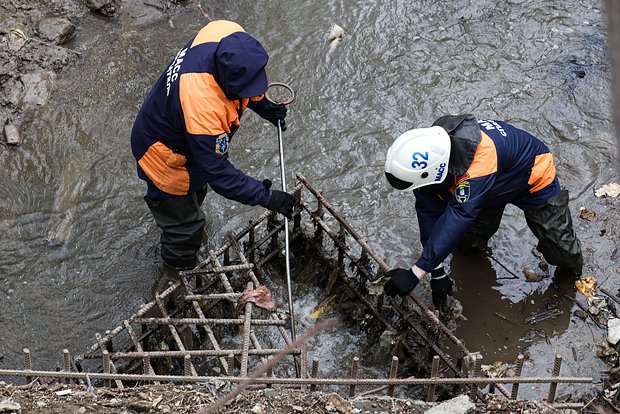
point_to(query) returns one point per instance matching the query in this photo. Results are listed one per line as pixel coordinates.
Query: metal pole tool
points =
(280, 93)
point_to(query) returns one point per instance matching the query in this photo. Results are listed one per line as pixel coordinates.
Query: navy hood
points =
(240, 62)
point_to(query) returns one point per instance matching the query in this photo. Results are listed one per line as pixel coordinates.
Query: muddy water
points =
(78, 244)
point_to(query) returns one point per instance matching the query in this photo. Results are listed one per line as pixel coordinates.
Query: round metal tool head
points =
(280, 93)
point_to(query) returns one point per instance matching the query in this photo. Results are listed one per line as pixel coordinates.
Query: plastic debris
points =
(324, 307)
(261, 297)
(586, 286)
(336, 33)
(613, 330)
(531, 275)
(608, 190)
(497, 370)
(11, 135)
(586, 214)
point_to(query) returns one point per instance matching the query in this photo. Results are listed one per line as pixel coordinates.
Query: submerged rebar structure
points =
(201, 328)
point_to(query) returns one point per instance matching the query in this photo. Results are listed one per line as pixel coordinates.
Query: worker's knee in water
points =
(182, 223)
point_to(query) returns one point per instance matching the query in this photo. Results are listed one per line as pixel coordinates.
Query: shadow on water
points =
(501, 328)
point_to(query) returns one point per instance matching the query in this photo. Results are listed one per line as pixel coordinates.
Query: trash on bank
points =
(613, 330)
(586, 286)
(11, 135)
(608, 190)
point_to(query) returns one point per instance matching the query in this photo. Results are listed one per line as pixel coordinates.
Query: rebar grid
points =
(191, 308)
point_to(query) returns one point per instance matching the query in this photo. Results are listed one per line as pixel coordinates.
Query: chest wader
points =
(552, 225)
(182, 223)
(482, 229)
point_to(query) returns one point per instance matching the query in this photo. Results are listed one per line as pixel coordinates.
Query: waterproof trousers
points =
(182, 223)
(550, 222)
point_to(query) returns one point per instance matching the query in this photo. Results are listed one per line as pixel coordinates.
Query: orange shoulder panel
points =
(215, 31)
(206, 110)
(485, 158)
(543, 172)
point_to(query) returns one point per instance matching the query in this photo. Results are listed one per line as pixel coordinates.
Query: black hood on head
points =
(240, 66)
(465, 136)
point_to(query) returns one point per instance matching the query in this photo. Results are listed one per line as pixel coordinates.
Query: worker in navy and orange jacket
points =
(182, 133)
(463, 172)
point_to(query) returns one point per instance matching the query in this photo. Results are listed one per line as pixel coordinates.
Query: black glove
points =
(441, 286)
(270, 111)
(280, 202)
(401, 282)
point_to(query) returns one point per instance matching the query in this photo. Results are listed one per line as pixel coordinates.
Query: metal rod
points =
(315, 372)
(477, 366)
(430, 397)
(518, 370)
(286, 240)
(394, 372)
(187, 365)
(27, 363)
(106, 366)
(246, 333)
(200, 321)
(231, 363)
(553, 386)
(66, 362)
(220, 269)
(354, 368)
(146, 366)
(299, 381)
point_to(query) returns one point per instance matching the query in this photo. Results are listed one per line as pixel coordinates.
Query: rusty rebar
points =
(187, 365)
(354, 368)
(430, 397)
(222, 269)
(66, 358)
(265, 367)
(207, 321)
(206, 328)
(393, 373)
(231, 363)
(27, 363)
(171, 327)
(553, 386)
(315, 372)
(477, 367)
(298, 381)
(362, 242)
(246, 334)
(518, 370)
(106, 366)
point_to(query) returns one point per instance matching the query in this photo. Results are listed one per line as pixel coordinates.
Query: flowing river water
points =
(79, 245)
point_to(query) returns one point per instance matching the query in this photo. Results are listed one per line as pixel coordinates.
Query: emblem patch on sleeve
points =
(461, 193)
(221, 144)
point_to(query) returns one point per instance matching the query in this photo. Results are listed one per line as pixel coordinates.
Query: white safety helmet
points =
(417, 158)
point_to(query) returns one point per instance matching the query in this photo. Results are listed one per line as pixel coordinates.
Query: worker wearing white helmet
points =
(463, 172)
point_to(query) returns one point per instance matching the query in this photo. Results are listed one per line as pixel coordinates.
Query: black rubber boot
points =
(552, 225)
(182, 223)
